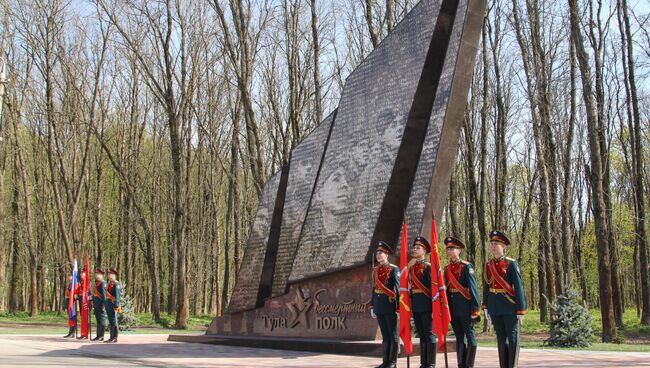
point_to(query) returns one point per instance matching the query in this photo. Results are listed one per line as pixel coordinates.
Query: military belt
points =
(417, 291)
(503, 291)
(498, 291)
(379, 291)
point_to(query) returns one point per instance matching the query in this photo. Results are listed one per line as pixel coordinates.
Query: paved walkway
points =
(155, 351)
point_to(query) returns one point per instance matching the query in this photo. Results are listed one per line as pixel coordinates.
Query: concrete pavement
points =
(155, 351)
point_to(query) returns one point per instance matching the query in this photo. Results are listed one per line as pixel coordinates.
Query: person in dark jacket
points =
(384, 303)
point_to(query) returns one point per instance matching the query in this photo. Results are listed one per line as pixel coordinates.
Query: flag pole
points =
(446, 359)
(76, 321)
(434, 241)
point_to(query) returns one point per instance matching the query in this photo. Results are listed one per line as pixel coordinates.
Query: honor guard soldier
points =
(384, 303)
(72, 320)
(420, 283)
(503, 299)
(112, 303)
(464, 306)
(99, 296)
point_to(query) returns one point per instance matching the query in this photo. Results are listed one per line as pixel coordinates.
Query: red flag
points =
(85, 289)
(404, 297)
(440, 307)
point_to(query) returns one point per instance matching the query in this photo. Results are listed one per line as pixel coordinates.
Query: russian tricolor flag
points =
(72, 310)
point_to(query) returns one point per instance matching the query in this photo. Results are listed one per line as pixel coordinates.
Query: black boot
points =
(385, 347)
(432, 349)
(512, 356)
(392, 356)
(100, 333)
(460, 354)
(70, 332)
(470, 356)
(112, 334)
(423, 354)
(503, 355)
(117, 332)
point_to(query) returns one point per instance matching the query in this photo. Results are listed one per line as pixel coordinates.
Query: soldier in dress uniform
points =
(420, 284)
(464, 305)
(99, 295)
(112, 303)
(72, 322)
(503, 299)
(385, 303)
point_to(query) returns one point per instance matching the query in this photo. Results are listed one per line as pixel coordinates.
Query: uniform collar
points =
(460, 260)
(499, 258)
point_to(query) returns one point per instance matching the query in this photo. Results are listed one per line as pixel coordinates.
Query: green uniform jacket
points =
(380, 302)
(459, 306)
(419, 301)
(495, 299)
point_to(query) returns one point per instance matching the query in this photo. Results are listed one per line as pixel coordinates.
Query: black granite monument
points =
(390, 146)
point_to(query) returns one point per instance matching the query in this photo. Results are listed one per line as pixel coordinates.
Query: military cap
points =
(383, 247)
(453, 242)
(113, 271)
(421, 241)
(99, 270)
(498, 236)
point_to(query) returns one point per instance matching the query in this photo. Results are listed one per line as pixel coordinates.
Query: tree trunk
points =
(318, 95)
(596, 176)
(635, 128)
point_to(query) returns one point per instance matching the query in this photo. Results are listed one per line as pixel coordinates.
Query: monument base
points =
(334, 306)
(329, 314)
(324, 346)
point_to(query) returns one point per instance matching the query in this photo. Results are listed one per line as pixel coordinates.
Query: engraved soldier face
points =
(418, 251)
(99, 276)
(497, 248)
(111, 276)
(453, 253)
(381, 257)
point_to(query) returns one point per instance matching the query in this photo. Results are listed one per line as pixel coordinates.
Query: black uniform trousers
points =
(422, 322)
(388, 327)
(463, 327)
(505, 327)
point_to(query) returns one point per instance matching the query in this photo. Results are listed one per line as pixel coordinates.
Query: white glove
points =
(372, 313)
(520, 317)
(487, 317)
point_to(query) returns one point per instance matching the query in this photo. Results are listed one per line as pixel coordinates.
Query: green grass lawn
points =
(634, 337)
(55, 323)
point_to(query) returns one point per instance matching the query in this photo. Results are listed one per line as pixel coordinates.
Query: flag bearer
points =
(420, 282)
(464, 306)
(72, 311)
